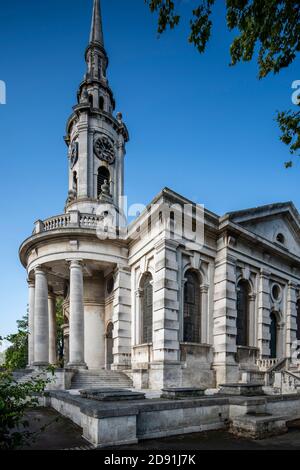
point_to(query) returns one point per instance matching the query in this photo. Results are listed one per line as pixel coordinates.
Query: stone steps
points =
(100, 379)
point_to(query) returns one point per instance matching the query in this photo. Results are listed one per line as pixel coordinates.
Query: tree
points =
(59, 331)
(270, 27)
(15, 399)
(16, 355)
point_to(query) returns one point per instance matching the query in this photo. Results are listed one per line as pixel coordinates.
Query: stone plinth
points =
(177, 393)
(258, 426)
(244, 389)
(107, 394)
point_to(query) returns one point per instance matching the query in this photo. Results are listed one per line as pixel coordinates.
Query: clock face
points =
(73, 153)
(104, 149)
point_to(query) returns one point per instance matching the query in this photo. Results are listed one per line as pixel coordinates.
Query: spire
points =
(96, 35)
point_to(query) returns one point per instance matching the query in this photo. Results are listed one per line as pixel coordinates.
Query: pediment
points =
(277, 223)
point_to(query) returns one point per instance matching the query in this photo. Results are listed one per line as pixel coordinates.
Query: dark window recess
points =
(101, 103)
(192, 309)
(103, 174)
(273, 336)
(242, 321)
(110, 285)
(280, 238)
(298, 319)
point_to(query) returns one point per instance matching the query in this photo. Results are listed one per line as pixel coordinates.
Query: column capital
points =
(40, 270)
(31, 283)
(265, 273)
(292, 285)
(139, 293)
(51, 295)
(252, 296)
(204, 289)
(75, 263)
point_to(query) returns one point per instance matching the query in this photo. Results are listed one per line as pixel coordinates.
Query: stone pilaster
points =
(263, 320)
(291, 321)
(165, 369)
(252, 320)
(41, 320)
(122, 319)
(52, 328)
(31, 295)
(204, 315)
(225, 315)
(76, 316)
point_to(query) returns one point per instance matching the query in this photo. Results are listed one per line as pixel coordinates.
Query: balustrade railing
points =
(72, 219)
(266, 364)
(57, 222)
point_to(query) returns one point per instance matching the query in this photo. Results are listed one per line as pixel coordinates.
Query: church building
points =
(179, 297)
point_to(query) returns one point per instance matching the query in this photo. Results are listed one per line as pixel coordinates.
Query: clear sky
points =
(197, 125)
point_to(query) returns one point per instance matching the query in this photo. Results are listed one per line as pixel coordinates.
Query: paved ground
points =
(61, 433)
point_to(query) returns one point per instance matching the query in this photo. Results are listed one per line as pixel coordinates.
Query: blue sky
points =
(197, 125)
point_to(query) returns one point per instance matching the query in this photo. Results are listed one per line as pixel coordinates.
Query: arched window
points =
(147, 308)
(280, 238)
(298, 319)
(242, 320)
(273, 335)
(103, 174)
(75, 182)
(192, 309)
(101, 103)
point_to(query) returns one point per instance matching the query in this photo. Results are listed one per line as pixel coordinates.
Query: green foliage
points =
(16, 355)
(59, 332)
(270, 28)
(15, 399)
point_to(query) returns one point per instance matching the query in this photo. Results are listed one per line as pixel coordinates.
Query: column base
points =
(39, 365)
(76, 365)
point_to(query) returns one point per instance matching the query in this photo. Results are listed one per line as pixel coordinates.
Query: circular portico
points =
(65, 257)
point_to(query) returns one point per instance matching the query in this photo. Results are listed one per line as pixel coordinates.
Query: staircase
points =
(100, 378)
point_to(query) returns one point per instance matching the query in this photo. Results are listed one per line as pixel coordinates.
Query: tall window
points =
(192, 309)
(298, 319)
(273, 335)
(101, 103)
(103, 174)
(147, 308)
(242, 321)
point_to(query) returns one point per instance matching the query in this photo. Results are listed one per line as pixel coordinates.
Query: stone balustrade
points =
(266, 364)
(72, 219)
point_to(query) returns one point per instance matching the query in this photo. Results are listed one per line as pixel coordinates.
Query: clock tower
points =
(95, 136)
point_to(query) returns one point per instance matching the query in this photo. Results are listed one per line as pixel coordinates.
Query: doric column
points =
(41, 320)
(263, 320)
(76, 315)
(31, 292)
(52, 328)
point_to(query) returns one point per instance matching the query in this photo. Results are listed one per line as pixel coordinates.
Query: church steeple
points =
(96, 35)
(95, 137)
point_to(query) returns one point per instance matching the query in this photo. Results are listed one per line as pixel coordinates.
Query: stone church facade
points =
(143, 299)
